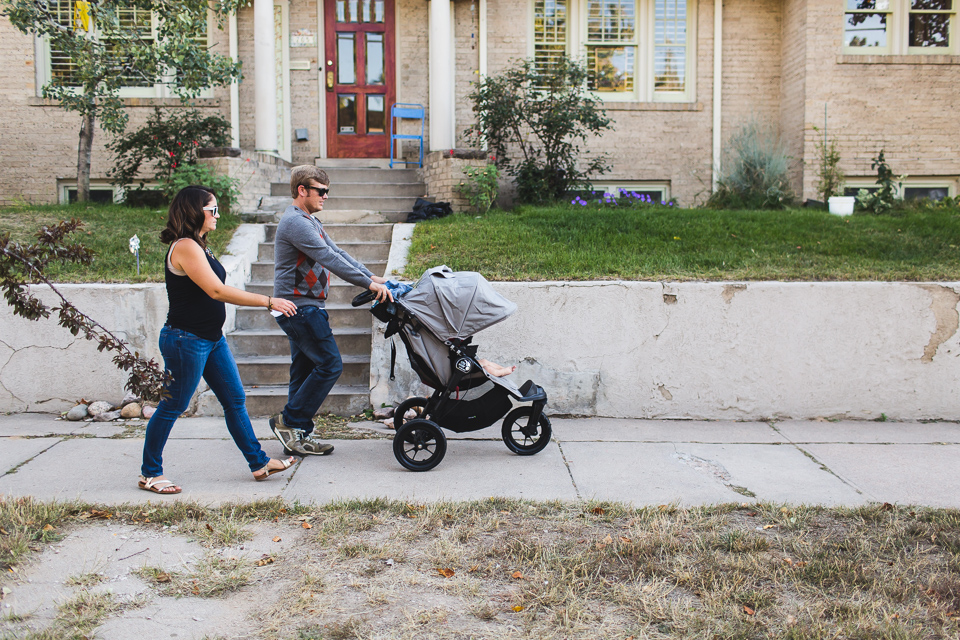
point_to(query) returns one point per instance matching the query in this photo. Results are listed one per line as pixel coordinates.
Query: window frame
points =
(900, 189)
(898, 31)
(644, 33)
(158, 90)
(616, 186)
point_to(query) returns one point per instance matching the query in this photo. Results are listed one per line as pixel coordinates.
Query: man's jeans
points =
(315, 368)
(188, 357)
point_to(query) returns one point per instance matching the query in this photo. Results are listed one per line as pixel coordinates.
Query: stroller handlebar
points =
(364, 298)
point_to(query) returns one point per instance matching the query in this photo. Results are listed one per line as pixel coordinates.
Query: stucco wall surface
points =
(741, 351)
(43, 367)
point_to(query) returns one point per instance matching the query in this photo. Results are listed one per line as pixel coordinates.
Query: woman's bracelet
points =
(269, 303)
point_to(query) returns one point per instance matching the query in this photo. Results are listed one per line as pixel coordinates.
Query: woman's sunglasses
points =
(214, 210)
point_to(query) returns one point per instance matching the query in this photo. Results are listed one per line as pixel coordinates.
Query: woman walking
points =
(192, 342)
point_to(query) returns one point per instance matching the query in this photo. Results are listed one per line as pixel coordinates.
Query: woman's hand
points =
(285, 307)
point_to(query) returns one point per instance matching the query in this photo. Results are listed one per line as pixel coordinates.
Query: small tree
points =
(534, 120)
(111, 44)
(830, 177)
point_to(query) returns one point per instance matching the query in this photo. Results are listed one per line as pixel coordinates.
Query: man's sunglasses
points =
(320, 191)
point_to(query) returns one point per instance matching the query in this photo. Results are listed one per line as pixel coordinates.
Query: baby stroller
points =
(436, 321)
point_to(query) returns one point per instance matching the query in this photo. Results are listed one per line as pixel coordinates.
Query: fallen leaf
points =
(886, 506)
(597, 510)
(48, 527)
(276, 539)
(3, 532)
(608, 540)
(209, 528)
(475, 567)
(265, 560)
(306, 525)
(446, 573)
(518, 608)
(163, 577)
(769, 526)
(517, 575)
(800, 564)
(791, 620)
(747, 610)
(625, 540)
(283, 510)
(751, 513)
(788, 561)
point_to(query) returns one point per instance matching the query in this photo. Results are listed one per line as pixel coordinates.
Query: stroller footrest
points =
(532, 393)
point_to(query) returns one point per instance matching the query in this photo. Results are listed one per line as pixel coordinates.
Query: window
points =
(634, 50)
(655, 192)
(131, 21)
(909, 189)
(900, 27)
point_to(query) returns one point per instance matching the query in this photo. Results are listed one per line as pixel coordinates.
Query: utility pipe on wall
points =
(265, 74)
(235, 85)
(441, 72)
(717, 88)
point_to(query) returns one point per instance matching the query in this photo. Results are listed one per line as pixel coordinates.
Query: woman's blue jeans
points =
(315, 365)
(188, 358)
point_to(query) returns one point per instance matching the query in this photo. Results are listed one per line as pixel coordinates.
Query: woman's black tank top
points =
(191, 309)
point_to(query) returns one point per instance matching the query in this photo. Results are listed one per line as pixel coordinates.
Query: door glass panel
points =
(347, 114)
(375, 119)
(378, 11)
(352, 4)
(346, 59)
(366, 10)
(374, 58)
(341, 10)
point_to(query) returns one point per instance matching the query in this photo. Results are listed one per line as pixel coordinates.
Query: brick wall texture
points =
(782, 62)
(443, 175)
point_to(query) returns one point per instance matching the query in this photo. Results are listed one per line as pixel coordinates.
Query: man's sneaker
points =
(315, 447)
(288, 437)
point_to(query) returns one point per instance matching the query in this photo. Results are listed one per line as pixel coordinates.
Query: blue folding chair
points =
(410, 111)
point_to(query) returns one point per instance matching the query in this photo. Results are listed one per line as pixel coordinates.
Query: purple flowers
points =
(579, 200)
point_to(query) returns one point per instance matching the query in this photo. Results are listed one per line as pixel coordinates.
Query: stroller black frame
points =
(419, 443)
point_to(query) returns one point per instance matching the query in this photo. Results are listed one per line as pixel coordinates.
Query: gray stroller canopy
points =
(456, 304)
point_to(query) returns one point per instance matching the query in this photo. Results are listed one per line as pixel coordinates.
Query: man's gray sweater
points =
(304, 256)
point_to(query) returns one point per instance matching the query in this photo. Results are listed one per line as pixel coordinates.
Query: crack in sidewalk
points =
(566, 463)
(813, 458)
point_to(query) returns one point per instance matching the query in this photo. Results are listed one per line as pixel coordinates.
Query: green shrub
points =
(200, 174)
(830, 177)
(169, 139)
(534, 120)
(481, 187)
(884, 198)
(754, 172)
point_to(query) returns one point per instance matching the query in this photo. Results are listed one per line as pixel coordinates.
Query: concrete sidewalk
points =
(641, 462)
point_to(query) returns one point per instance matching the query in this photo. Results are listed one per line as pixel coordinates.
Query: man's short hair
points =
(303, 174)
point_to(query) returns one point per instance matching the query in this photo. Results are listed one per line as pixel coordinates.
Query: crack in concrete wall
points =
(730, 290)
(943, 303)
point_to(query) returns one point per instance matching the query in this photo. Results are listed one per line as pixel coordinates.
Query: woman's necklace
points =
(209, 253)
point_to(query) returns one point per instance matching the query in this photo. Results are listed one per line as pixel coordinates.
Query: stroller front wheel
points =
(419, 445)
(419, 406)
(531, 442)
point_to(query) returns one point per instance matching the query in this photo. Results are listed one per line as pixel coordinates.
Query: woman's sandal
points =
(269, 472)
(158, 485)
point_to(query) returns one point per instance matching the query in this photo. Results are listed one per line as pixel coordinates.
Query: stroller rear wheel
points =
(419, 406)
(419, 445)
(531, 442)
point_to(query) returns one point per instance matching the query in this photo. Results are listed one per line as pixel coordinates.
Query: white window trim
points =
(898, 34)
(643, 90)
(64, 187)
(615, 186)
(950, 184)
(159, 90)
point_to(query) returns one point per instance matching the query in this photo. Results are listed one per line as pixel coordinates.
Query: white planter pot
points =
(842, 205)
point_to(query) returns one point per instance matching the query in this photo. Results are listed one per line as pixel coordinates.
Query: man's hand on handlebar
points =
(383, 294)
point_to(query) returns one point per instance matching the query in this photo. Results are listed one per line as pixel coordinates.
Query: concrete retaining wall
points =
(740, 351)
(43, 367)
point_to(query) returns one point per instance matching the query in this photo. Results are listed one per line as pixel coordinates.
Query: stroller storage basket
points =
(461, 416)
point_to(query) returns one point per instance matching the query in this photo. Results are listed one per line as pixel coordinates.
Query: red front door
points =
(359, 77)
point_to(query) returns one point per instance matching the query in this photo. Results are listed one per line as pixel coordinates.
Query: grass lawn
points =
(506, 569)
(568, 242)
(107, 230)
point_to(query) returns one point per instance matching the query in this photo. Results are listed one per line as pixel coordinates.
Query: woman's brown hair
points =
(185, 218)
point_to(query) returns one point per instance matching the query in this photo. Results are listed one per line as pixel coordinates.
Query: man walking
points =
(304, 257)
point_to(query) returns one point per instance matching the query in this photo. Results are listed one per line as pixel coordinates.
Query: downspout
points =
(483, 39)
(717, 86)
(235, 85)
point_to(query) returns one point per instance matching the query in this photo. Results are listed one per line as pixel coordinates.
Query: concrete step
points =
(370, 202)
(368, 174)
(340, 292)
(259, 217)
(362, 187)
(341, 315)
(274, 342)
(275, 370)
(343, 400)
(263, 271)
(374, 232)
(274, 203)
(361, 251)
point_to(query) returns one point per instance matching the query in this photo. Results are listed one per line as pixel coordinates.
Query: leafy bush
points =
(187, 174)
(534, 121)
(830, 177)
(754, 172)
(883, 199)
(481, 186)
(168, 140)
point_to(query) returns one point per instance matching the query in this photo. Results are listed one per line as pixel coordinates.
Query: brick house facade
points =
(780, 61)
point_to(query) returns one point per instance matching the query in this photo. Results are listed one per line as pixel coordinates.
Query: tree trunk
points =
(83, 157)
